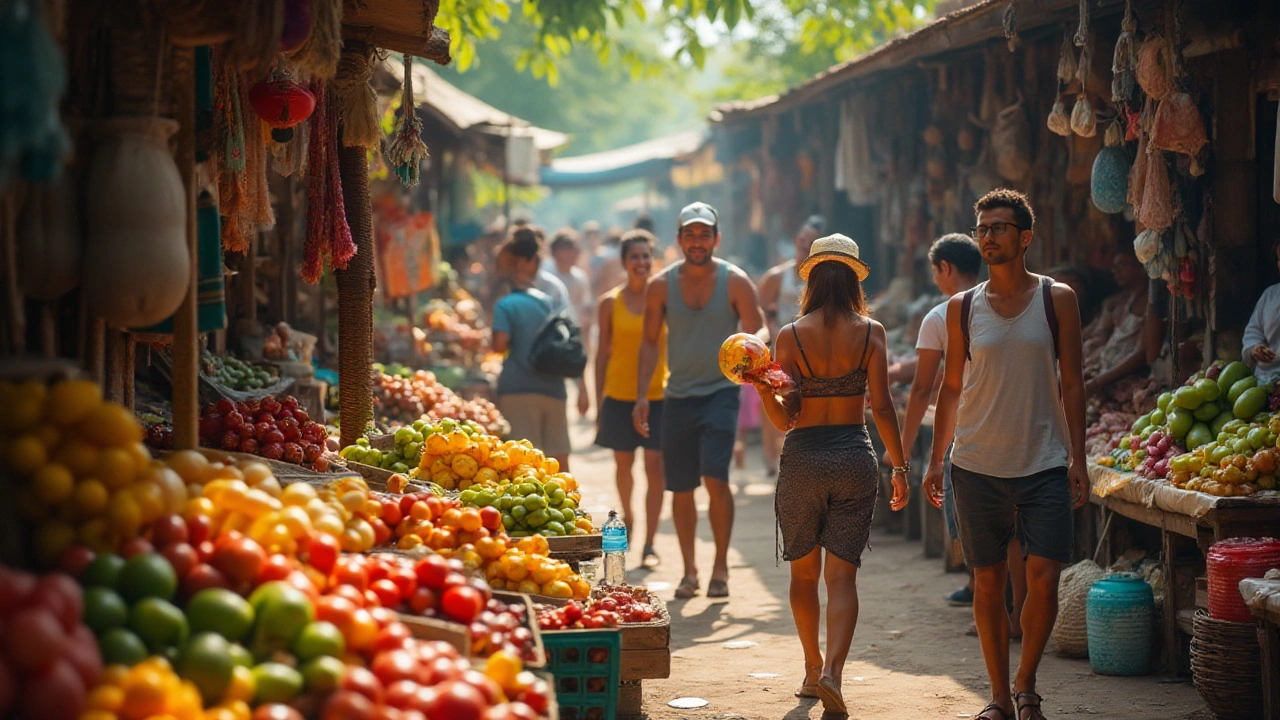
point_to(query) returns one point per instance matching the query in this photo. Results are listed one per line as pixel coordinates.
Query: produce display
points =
(274, 428)
(406, 398)
(404, 455)
(607, 608)
(236, 374)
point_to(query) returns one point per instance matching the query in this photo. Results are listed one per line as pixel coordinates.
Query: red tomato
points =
(391, 512)
(348, 705)
(204, 551)
(384, 616)
(405, 504)
(197, 529)
(56, 693)
(457, 701)
(276, 567)
(536, 695)
(406, 582)
(356, 597)
(33, 638)
(490, 517)
(6, 687)
(15, 585)
(395, 665)
(352, 570)
(74, 560)
(363, 681)
(203, 576)
(392, 637)
(462, 603)
(323, 551)
(239, 558)
(136, 546)
(363, 631)
(421, 600)
(337, 610)
(378, 568)
(82, 653)
(381, 533)
(371, 599)
(301, 581)
(401, 694)
(276, 711)
(440, 670)
(58, 593)
(432, 571)
(487, 687)
(388, 592)
(181, 556)
(168, 530)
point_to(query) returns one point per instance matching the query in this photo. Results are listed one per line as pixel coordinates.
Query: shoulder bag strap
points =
(1046, 286)
(966, 309)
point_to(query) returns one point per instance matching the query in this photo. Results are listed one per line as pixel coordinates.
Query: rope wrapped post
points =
(356, 282)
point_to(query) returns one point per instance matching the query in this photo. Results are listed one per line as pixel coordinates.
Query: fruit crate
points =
(530, 622)
(646, 647)
(586, 665)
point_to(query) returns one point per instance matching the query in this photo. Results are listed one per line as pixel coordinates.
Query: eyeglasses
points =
(996, 229)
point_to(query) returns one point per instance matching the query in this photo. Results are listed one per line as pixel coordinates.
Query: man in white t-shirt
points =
(565, 252)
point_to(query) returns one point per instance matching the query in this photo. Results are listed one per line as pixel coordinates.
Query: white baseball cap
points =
(699, 212)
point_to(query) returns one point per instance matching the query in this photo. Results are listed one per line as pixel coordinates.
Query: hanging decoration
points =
(1138, 174)
(328, 234)
(406, 151)
(1059, 121)
(1154, 67)
(1083, 121)
(318, 55)
(243, 199)
(281, 103)
(1109, 181)
(356, 102)
(33, 78)
(1009, 23)
(1156, 210)
(1124, 62)
(1179, 128)
(256, 42)
(1082, 30)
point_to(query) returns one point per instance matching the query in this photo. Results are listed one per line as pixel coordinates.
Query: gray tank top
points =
(694, 337)
(1010, 421)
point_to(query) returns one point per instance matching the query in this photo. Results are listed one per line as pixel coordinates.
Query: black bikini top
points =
(851, 384)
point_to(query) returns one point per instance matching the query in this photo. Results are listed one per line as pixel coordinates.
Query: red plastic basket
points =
(1229, 562)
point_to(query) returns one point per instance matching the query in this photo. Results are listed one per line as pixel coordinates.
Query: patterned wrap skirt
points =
(828, 479)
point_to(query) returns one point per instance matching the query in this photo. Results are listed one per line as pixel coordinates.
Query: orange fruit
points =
(23, 406)
(111, 425)
(26, 454)
(116, 467)
(470, 520)
(145, 693)
(105, 697)
(52, 484)
(70, 401)
(90, 497)
(124, 517)
(79, 455)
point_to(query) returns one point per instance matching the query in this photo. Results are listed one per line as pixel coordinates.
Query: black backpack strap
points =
(966, 309)
(1046, 286)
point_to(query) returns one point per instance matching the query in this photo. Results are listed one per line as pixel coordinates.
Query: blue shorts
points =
(697, 438)
(1037, 509)
(618, 432)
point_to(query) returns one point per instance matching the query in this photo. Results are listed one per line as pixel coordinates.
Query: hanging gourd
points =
(49, 239)
(1059, 121)
(136, 263)
(282, 103)
(1154, 67)
(1124, 63)
(1109, 182)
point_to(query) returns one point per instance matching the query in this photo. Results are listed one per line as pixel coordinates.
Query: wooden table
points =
(1262, 595)
(1189, 523)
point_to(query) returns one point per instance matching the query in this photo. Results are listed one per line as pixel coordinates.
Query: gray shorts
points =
(1037, 508)
(697, 438)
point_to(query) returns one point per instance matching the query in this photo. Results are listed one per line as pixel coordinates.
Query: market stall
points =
(1262, 595)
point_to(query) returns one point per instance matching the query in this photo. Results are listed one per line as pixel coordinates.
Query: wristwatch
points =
(905, 469)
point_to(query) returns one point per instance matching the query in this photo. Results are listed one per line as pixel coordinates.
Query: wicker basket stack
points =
(1226, 667)
(1071, 631)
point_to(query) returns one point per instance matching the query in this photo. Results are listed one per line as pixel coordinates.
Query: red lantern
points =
(282, 103)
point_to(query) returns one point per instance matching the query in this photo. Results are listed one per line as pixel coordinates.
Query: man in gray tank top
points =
(703, 300)
(1016, 413)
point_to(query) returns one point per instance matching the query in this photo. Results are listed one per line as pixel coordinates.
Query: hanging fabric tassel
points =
(327, 231)
(1082, 30)
(229, 152)
(356, 101)
(318, 56)
(1125, 61)
(406, 151)
(1009, 23)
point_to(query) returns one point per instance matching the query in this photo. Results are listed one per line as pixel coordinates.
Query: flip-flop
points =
(650, 559)
(718, 589)
(687, 588)
(1032, 705)
(832, 700)
(809, 690)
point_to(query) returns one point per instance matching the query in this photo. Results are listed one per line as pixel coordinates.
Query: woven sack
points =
(1059, 121)
(1154, 67)
(1178, 126)
(1156, 210)
(1071, 632)
(1011, 141)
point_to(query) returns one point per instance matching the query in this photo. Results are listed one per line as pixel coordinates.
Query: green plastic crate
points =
(587, 665)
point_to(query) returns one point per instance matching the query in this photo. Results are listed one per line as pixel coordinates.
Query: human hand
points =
(1262, 353)
(932, 484)
(1078, 477)
(901, 492)
(584, 404)
(640, 417)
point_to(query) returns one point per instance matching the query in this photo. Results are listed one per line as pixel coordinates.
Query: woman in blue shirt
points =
(532, 402)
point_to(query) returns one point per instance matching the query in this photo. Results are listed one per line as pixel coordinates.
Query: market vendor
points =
(1125, 337)
(1262, 334)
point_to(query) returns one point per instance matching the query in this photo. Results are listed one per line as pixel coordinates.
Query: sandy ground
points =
(910, 657)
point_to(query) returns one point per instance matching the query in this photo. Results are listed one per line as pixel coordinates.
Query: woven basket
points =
(1226, 667)
(1071, 631)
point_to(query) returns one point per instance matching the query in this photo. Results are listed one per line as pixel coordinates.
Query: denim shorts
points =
(697, 438)
(1037, 509)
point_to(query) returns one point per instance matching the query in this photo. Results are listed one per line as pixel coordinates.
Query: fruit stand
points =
(1262, 596)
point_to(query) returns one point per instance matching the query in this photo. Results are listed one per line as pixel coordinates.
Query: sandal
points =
(687, 588)
(809, 690)
(832, 700)
(986, 713)
(650, 559)
(718, 589)
(1032, 706)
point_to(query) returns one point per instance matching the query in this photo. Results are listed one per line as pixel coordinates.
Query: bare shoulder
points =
(1063, 296)
(877, 331)
(739, 280)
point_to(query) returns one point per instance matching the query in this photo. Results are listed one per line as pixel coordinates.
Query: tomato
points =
(487, 687)
(7, 689)
(381, 533)
(276, 567)
(384, 616)
(391, 512)
(356, 597)
(401, 694)
(440, 670)
(238, 557)
(462, 603)
(61, 595)
(364, 682)
(421, 600)
(204, 551)
(75, 559)
(15, 585)
(82, 652)
(168, 530)
(490, 517)
(348, 705)
(395, 665)
(377, 569)
(323, 551)
(372, 600)
(457, 701)
(388, 592)
(337, 610)
(198, 529)
(33, 638)
(406, 582)
(276, 711)
(363, 631)
(536, 695)
(300, 580)
(56, 693)
(181, 556)
(432, 571)
(392, 637)
(203, 576)
(352, 570)
(136, 546)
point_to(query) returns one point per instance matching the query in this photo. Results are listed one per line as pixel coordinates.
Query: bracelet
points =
(905, 469)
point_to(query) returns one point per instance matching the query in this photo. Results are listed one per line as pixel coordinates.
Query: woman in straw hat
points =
(828, 477)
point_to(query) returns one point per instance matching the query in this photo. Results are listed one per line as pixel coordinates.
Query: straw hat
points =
(835, 248)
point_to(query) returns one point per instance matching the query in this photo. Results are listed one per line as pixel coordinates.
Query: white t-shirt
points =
(1263, 329)
(933, 329)
(579, 287)
(550, 284)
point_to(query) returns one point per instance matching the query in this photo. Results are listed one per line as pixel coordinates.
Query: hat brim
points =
(859, 268)
(693, 221)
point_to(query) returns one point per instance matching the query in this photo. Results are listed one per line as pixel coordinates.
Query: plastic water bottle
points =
(614, 544)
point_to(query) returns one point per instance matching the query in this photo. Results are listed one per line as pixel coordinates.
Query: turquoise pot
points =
(1120, 615)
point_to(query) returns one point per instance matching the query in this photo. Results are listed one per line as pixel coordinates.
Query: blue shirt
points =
(520, 315)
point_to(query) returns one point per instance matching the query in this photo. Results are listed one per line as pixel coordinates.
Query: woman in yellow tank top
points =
(621, 318)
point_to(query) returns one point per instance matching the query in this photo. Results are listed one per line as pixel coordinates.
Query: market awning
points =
(647, 159)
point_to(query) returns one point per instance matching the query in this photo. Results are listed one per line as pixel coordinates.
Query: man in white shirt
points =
(565, 253)
(1262, 334)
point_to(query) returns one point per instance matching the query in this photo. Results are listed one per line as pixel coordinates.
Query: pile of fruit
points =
(458, 323)
(607, 608)
(84, 475)
(49, 659)
(274, 428)
(1241, 461)
(531, 507)
(236, 374)
(478, 410)
(404, 399)
(399, 459)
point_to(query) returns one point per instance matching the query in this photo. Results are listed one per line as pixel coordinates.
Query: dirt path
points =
(910, 657)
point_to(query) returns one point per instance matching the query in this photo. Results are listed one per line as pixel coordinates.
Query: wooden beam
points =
(434, 47)
(405, 17)
(186, 330)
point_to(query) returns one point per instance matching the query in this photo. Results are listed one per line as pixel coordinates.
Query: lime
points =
(121, 647)
(1207, 411)
(1238, 389)
(1198, 435)
(159, 623)
(1163, 401)
(323, 674)
(569, 505)
(1187, 397)
(1156, 418)
(220, 611)
(508, 522)
(104, 610)
(534, 502)
(241, 656)
(208, 663)
(1250, 401)
(1208, 389)
(103, 571)
(1180, 422)
(276, 683)
(553, 527)
(319, 639)
(147, 575)
(519, 512)
(537, 518)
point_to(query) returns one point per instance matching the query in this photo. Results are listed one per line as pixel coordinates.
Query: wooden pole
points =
(286, 225)
(186, 338)
(355, 283)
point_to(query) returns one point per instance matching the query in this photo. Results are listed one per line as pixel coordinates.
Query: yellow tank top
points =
(624, 355)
